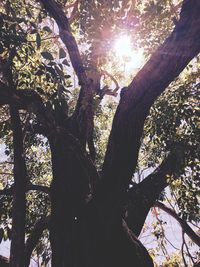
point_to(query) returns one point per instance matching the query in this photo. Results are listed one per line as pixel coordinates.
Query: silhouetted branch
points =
(34, 237)
(185, 226)
(9, 191)
(83, 115)
(163, 67)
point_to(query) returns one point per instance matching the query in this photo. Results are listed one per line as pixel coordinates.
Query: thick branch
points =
(9, 191)
(68, 39)
(84, 111)
(185, 227)
(27, 100)
(163, 67)
(34, 237)
(142, 196)
(19, 172)
(19, 194)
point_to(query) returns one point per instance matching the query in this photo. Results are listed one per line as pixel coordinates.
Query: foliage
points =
(42, 64)
(172, 126)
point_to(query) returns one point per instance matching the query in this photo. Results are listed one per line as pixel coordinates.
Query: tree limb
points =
(9, 191)
(83, 115)
(164, 66)
(142, 196)
(185, 226)
(20, 180)
(34, 237)
(41, 188)
(110, 92)
(66, 36)
(74, 12)
(28, 100)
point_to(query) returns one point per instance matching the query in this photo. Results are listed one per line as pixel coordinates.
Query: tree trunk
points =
(73, 178)
(95, 234)
(86, 226)
(19, 195)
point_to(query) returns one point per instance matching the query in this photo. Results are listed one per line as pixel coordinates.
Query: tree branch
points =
(83, 115)
(109, 92)
(41, 188)
(66, 36)
(28, 100)
(34, 237)
(163, 67)
(74, 12)
(186, 228)
(9, 191)
(142, 196)
(20, 182)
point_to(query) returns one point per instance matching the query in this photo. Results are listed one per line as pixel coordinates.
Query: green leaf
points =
(47, 29)
(65, 62)
(39, 72)
(40, 18)
(9, 233)
(33, 31)
(38, 40)
(59, 71)
(1, 234)
(28, 13)
(1, 22)
(62, 53)
(47, 55)
(1, 48)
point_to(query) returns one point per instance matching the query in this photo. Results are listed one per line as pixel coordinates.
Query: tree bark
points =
(84, 232)
(83, 116)
(20, 172)
(33, 239)
(74, 178)
(102, 233)
(163, 67)
(19, 194)
(141, 197)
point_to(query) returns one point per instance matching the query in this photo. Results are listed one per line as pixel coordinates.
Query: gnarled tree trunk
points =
(85, 231)
(87, 225)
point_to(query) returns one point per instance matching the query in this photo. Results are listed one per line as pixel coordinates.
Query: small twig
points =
(182, 249)
(104, 72)
(186, 228)
(47, 38)
(188, 252)
(74, 12)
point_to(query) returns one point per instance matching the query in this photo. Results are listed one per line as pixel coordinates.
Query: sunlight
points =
(131, 58)
(123, 46)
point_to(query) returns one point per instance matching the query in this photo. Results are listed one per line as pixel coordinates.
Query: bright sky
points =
(131, 58)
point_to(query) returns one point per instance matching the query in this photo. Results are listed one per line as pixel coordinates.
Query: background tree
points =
(51, 127)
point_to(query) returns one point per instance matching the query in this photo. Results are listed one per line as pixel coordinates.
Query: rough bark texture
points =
(107, 239)
(142, 196)
(87, 226)
(81, 122)
(19, 172)
(162, 68)
(19, 194)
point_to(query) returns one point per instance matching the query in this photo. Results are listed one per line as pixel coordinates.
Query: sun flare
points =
(130, 57)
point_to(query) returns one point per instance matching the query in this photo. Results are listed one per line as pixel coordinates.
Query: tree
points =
(87, 224)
